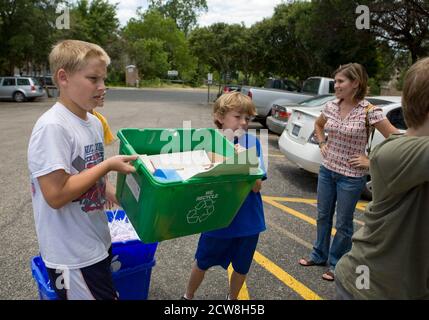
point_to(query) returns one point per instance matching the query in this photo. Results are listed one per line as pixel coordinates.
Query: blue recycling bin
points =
(131, 266)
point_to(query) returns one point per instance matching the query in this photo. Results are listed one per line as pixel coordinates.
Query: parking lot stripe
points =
(361, 205)
(244, 293)
(292, 236)
(293, 212)
(286, 199)
(313, 202)
(284, 277)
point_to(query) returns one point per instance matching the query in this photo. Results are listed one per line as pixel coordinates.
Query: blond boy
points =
(67, 168)
(236, 243)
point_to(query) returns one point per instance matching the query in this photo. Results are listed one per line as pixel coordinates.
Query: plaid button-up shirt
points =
(348, 136)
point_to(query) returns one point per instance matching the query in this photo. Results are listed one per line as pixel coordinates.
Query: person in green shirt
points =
(389, 258)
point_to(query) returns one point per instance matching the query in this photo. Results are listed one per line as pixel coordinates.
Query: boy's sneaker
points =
(184, 298)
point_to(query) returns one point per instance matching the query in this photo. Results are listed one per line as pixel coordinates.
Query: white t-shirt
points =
(76, 235)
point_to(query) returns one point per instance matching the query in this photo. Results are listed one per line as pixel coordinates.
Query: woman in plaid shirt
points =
(342, 174)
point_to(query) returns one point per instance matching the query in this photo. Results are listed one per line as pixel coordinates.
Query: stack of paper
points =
(199, 163)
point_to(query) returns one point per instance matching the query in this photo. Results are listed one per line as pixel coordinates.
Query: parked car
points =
(263, 97)
(300, 146)
(282, 84)
(229, 88)
(46, 81)
(281, 111)
(20, 88)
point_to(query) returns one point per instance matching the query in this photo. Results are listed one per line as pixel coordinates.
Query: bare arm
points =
(60, 188)
(111, 200)
(319, 131)
(385, 128)
(319, 128)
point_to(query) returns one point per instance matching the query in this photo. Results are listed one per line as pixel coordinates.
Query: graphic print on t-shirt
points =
(94, 198)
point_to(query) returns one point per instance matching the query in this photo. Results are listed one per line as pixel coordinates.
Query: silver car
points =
(281, 111)
(20, 88)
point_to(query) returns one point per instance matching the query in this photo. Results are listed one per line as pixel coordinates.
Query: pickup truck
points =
(263, 98)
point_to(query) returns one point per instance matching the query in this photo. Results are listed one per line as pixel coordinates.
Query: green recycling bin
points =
(165, 210)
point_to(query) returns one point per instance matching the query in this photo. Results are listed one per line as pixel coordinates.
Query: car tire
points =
(18, 97)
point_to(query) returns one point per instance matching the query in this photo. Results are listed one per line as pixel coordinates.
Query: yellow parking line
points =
(273, 201)
(284, 277)
(290, 235)
(286, 199)
(244, 293)
(361, 205)
(295, 213)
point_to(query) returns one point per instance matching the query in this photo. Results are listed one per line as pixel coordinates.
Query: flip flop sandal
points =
(328, 276)
(308, 263)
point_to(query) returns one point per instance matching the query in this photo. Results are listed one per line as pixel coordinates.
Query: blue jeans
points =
(344, 192)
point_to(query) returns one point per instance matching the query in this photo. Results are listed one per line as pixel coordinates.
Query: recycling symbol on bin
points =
(201, 212)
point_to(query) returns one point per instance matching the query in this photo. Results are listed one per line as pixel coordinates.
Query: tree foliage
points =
(301, 39)
(26, 31)
(403, 24)
(183, 12)
(336, 40)
(221, 46)
(94, 22)
(152, 35)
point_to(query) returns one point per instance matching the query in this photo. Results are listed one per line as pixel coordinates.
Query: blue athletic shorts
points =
(223, 251)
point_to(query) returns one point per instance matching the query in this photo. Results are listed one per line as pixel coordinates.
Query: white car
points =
(299, 144)
(281, 109)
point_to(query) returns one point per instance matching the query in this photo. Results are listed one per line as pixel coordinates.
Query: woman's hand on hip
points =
(359, 161)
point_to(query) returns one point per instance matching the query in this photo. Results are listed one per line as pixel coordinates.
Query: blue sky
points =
(236, 11)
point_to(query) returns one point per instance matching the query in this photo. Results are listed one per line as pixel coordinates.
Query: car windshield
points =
(35, 81)
(317, 101)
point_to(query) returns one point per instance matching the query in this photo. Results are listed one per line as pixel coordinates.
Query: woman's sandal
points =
(328, 276)
(308, 263)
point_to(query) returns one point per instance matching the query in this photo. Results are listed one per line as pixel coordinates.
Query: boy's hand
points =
(122, 164)
(257, 186)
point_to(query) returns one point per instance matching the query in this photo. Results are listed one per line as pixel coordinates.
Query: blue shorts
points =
(223, 251)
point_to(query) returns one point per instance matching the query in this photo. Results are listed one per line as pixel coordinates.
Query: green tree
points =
(220, 46)
(280, 45)
(26, 32)
(151, 58)
(336, 40)
(167, 39)
(183, 12)
(94, 22)
(404, 24)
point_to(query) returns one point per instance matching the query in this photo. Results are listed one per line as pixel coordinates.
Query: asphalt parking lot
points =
(289, 200)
